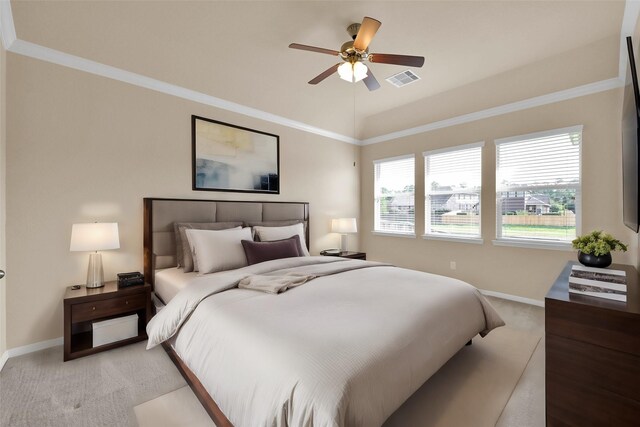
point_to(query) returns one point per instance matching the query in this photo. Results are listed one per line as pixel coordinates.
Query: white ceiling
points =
(238, 50)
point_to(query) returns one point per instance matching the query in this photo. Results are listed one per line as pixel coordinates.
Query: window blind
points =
(395, 195)
(538, 185)
(453, 183)
(547, 161)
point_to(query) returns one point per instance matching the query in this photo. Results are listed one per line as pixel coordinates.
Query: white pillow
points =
(267, 234)
(218, 250)
(194, 260)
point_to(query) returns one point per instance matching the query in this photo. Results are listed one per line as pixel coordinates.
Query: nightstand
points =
(84, 306)
(347, 254)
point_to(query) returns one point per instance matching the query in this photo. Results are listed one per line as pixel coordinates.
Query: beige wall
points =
(517, 271)
(82, 148)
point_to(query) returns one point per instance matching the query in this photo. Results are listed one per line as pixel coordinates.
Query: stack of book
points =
(598, 282)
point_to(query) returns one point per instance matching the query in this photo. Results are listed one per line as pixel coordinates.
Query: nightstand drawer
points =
(109, 307)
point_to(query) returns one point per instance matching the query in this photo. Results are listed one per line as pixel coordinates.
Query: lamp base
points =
(343, 242)
(95, 274)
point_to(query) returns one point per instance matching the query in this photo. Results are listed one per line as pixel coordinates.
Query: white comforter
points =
(344, 349)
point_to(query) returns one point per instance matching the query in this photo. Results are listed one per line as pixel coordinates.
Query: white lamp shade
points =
(96, 236)
(344, 225)
(352, 72)
(359, 71)
(345, 71)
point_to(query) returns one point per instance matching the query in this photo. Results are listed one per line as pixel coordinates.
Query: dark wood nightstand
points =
(347, 254)
(84, 306)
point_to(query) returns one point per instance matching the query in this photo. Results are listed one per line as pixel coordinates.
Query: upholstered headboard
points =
(160, 214)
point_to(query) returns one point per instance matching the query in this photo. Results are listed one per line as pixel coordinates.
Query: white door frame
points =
(3, 192)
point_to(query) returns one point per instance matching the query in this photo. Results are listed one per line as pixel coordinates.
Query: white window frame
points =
(540, 243)
(427, 213)
(376, 212)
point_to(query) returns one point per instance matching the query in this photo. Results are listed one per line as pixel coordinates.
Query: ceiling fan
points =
(355, 52)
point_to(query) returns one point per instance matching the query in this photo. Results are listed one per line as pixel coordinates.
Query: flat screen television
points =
(630, 152)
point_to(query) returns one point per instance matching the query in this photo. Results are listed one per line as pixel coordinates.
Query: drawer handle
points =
(127, 302)
(93, 308)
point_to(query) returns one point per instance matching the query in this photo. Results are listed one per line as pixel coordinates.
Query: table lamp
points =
(344, 226)
(94, 237)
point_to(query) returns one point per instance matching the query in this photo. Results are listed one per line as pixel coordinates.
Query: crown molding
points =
(36, 51)
(32, 50)
(537, 101)
(629, 21)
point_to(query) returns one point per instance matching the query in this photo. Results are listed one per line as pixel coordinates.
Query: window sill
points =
(533, 244)
(449, 238)
(392, 234)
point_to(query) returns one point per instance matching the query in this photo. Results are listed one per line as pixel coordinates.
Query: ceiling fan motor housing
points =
(353, 30)
(351, 54)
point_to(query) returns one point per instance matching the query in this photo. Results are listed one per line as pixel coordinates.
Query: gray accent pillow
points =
(278, 223)
(183, 251)
(274, 223)
(257, 252)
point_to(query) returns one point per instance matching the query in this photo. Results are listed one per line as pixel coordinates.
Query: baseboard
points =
(515, 298)
(3, 359)
(30, 348)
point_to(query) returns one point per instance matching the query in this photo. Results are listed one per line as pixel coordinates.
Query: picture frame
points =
(232, 158)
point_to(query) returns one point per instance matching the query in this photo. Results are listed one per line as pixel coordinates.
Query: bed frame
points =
(159, 246)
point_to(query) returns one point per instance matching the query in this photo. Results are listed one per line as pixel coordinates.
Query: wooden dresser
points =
(592, 356)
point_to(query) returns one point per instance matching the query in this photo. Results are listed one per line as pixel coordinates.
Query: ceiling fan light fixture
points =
(359, 71)
(352, 72)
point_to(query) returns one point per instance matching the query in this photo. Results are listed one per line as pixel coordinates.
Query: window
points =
(453, 182)
(395, 195)
(538, 186)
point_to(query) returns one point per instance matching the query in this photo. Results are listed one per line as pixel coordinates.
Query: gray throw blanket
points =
(274, 284)
(282, 280)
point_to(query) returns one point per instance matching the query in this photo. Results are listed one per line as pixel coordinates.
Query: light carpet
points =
(472, 389)
(38, 389)
(175, 409)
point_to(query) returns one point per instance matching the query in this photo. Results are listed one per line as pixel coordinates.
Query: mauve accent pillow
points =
(183, 250)
(266, 251)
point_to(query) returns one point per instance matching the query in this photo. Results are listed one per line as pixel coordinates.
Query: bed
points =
(346, 348)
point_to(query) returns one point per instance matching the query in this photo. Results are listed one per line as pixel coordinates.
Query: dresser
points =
(592, 356)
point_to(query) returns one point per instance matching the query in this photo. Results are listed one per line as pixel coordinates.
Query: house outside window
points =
(453, 186)
(538, 186)
(394, 183)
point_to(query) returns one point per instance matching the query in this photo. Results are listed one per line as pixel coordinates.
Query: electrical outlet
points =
(452, 265)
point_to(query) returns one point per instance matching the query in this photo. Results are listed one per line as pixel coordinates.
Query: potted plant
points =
(594, 249)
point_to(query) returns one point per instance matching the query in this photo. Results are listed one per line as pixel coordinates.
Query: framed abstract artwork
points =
(226, 157)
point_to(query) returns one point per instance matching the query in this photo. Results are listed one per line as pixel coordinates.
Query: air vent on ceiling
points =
(403, 78)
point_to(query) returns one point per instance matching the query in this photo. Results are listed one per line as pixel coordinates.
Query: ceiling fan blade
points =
(313, 49)
(320, 77)
(386, 58)
(371, 82)
(368, 29)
